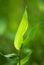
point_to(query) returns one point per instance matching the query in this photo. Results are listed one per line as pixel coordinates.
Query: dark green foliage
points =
(3, 59)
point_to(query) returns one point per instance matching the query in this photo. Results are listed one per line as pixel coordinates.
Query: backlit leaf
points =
(21, 31)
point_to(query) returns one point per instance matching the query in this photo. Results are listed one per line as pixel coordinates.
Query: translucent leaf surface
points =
(21, 31)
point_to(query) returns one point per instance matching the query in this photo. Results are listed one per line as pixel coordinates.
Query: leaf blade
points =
(21, 31)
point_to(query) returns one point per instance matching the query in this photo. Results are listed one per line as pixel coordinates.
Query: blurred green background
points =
(11, 12)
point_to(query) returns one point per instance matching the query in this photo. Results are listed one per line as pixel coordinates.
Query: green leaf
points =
(21, 31)
(11, 55)
(31, 34)
(25, 59)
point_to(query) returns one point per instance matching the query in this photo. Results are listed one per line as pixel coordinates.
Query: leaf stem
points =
(19, 57)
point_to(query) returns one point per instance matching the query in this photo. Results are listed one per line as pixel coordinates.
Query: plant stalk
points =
(19, 58)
